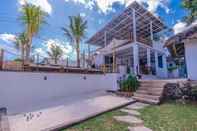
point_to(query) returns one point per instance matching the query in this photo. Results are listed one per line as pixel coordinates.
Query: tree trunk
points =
(55, 59)
(28, 50)
(22, 55)
(78, 54)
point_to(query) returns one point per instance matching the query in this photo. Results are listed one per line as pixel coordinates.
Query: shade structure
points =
(115, 43)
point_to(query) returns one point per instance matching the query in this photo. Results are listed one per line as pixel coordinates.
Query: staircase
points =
(150, 91)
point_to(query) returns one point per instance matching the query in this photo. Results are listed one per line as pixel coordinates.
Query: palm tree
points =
(21, 44)
(55, 53)
(32, 17)
(75, 32)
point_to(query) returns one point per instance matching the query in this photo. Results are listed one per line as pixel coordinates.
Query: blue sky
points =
(97, 13)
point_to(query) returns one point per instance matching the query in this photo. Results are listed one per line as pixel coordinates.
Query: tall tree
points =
(21, 44)
(32, 17)
(55, 53)
(191, 6)
(75, 32)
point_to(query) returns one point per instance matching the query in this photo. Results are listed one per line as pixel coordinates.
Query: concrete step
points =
(131, 112)
(133, 121)
(139, 128)
(146, 100)
(153, 97)
(149, 89)
(136, 106)
(156, 93)
(151, 85)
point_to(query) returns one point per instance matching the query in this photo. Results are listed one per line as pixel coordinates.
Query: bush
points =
(130, 84)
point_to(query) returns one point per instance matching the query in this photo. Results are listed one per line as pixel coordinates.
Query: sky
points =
(96, 12)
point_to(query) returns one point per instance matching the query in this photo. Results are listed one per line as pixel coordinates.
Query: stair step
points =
(156, 93)
(145, 100)
(153, 97)
(151, 89)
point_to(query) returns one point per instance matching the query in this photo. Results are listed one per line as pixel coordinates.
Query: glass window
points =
(160, 61)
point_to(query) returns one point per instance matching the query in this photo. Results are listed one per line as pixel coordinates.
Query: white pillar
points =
(148, 57)
(134, 26)
(136, 58)
(156, 63)
(165, 68)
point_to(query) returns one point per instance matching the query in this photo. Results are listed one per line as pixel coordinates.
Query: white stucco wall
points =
(30, 89)
(191, 59)
(99, 60)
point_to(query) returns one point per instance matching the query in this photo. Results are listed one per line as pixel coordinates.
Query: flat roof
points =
(121, 26)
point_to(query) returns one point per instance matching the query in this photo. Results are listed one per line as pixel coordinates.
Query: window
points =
(160, 61)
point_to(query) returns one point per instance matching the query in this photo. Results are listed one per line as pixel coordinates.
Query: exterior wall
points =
(31, 89)
(162, 72)
(191, 59)
(99, 60)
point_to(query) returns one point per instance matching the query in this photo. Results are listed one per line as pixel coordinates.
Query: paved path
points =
(136, 124)
(59, 116)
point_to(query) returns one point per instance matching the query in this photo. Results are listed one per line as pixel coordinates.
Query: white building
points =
(126, 44)
(184, 46)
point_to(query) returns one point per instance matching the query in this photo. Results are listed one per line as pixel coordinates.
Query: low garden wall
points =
(20, 89)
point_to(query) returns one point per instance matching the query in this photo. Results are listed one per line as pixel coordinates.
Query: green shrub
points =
(130, 84)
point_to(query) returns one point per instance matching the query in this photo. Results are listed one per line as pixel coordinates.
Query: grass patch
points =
(170, 117)
(104, 122)
(166, 117)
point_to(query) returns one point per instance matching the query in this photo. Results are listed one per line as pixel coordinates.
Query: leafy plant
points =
(191, 6)
(32, 18)
(55, 52)
(130, 84)
(75, 32)
(171, 69)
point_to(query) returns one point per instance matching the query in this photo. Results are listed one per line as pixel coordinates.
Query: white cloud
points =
(83, 14)
(181, 26)
(44, 4)
(66, 48)
(106, 5)
(8, 37)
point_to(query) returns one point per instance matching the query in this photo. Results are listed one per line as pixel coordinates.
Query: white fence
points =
(25, 90)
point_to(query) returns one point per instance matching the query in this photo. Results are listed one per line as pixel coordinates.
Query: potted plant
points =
(128, 86)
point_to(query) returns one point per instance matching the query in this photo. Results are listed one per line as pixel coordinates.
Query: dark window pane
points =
(160, 61)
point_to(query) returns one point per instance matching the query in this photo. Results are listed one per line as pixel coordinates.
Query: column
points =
(149, 60)
(165, 68)
(156, 63)
(136, 58)
(134, 25)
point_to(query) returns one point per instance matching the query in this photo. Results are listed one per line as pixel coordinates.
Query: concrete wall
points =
(191, 59)
(29, 89)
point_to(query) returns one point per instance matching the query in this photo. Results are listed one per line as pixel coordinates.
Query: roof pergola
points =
(123, 26)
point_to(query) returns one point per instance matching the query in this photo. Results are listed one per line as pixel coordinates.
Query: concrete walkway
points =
(56, 117)
(132, 119)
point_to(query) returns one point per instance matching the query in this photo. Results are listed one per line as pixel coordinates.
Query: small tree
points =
(55, 53)
(75, 32)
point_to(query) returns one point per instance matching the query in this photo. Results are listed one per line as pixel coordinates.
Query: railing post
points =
(1, 59)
